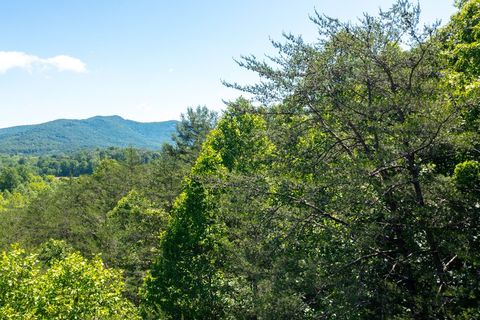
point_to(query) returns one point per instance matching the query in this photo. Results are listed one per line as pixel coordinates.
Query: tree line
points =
(348, 190)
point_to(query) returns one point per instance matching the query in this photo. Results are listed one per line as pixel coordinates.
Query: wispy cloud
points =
(67, 63)
(14, 59)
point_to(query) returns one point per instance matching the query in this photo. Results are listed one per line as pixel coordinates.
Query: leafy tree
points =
(74, 210)
(192, 131)
(187, 279)
(467, 176)
(351, 192)
(131, 233)
(461, 44)
(163, 179)
(9, 179)
(365, 219)
(167, 171)
(463, 39)
(69, 288)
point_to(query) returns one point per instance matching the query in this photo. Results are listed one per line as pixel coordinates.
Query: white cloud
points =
(14, 59)
(67, 63)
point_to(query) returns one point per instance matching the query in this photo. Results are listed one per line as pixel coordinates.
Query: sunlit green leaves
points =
(67, 288)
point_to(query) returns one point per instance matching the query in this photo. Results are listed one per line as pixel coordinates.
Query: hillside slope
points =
(60, 136)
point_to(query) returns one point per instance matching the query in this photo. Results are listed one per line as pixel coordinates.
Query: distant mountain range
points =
(63, 136)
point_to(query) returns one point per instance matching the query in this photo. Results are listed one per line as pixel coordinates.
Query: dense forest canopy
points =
(348, 188)
(67, 136)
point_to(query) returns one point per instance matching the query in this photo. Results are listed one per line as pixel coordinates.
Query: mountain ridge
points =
(69, 135)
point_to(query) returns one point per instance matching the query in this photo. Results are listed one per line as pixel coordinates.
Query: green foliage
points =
(163, 182)
(187, 280)
(18, 185)
(467, 176)
(351, 193)
(118, 210)
(356, 219)
(461, 43)
(9, 179)
(70, 288)
(72, 164)
(131, 234)
(52, 251)
(463, 39)
(193, 129)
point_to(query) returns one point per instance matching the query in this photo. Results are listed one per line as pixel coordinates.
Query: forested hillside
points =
(65, 136)
(347, 188)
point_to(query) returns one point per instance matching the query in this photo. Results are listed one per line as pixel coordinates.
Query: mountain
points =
(63, 135)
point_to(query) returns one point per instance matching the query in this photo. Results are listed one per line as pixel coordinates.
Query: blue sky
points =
(146, 60)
